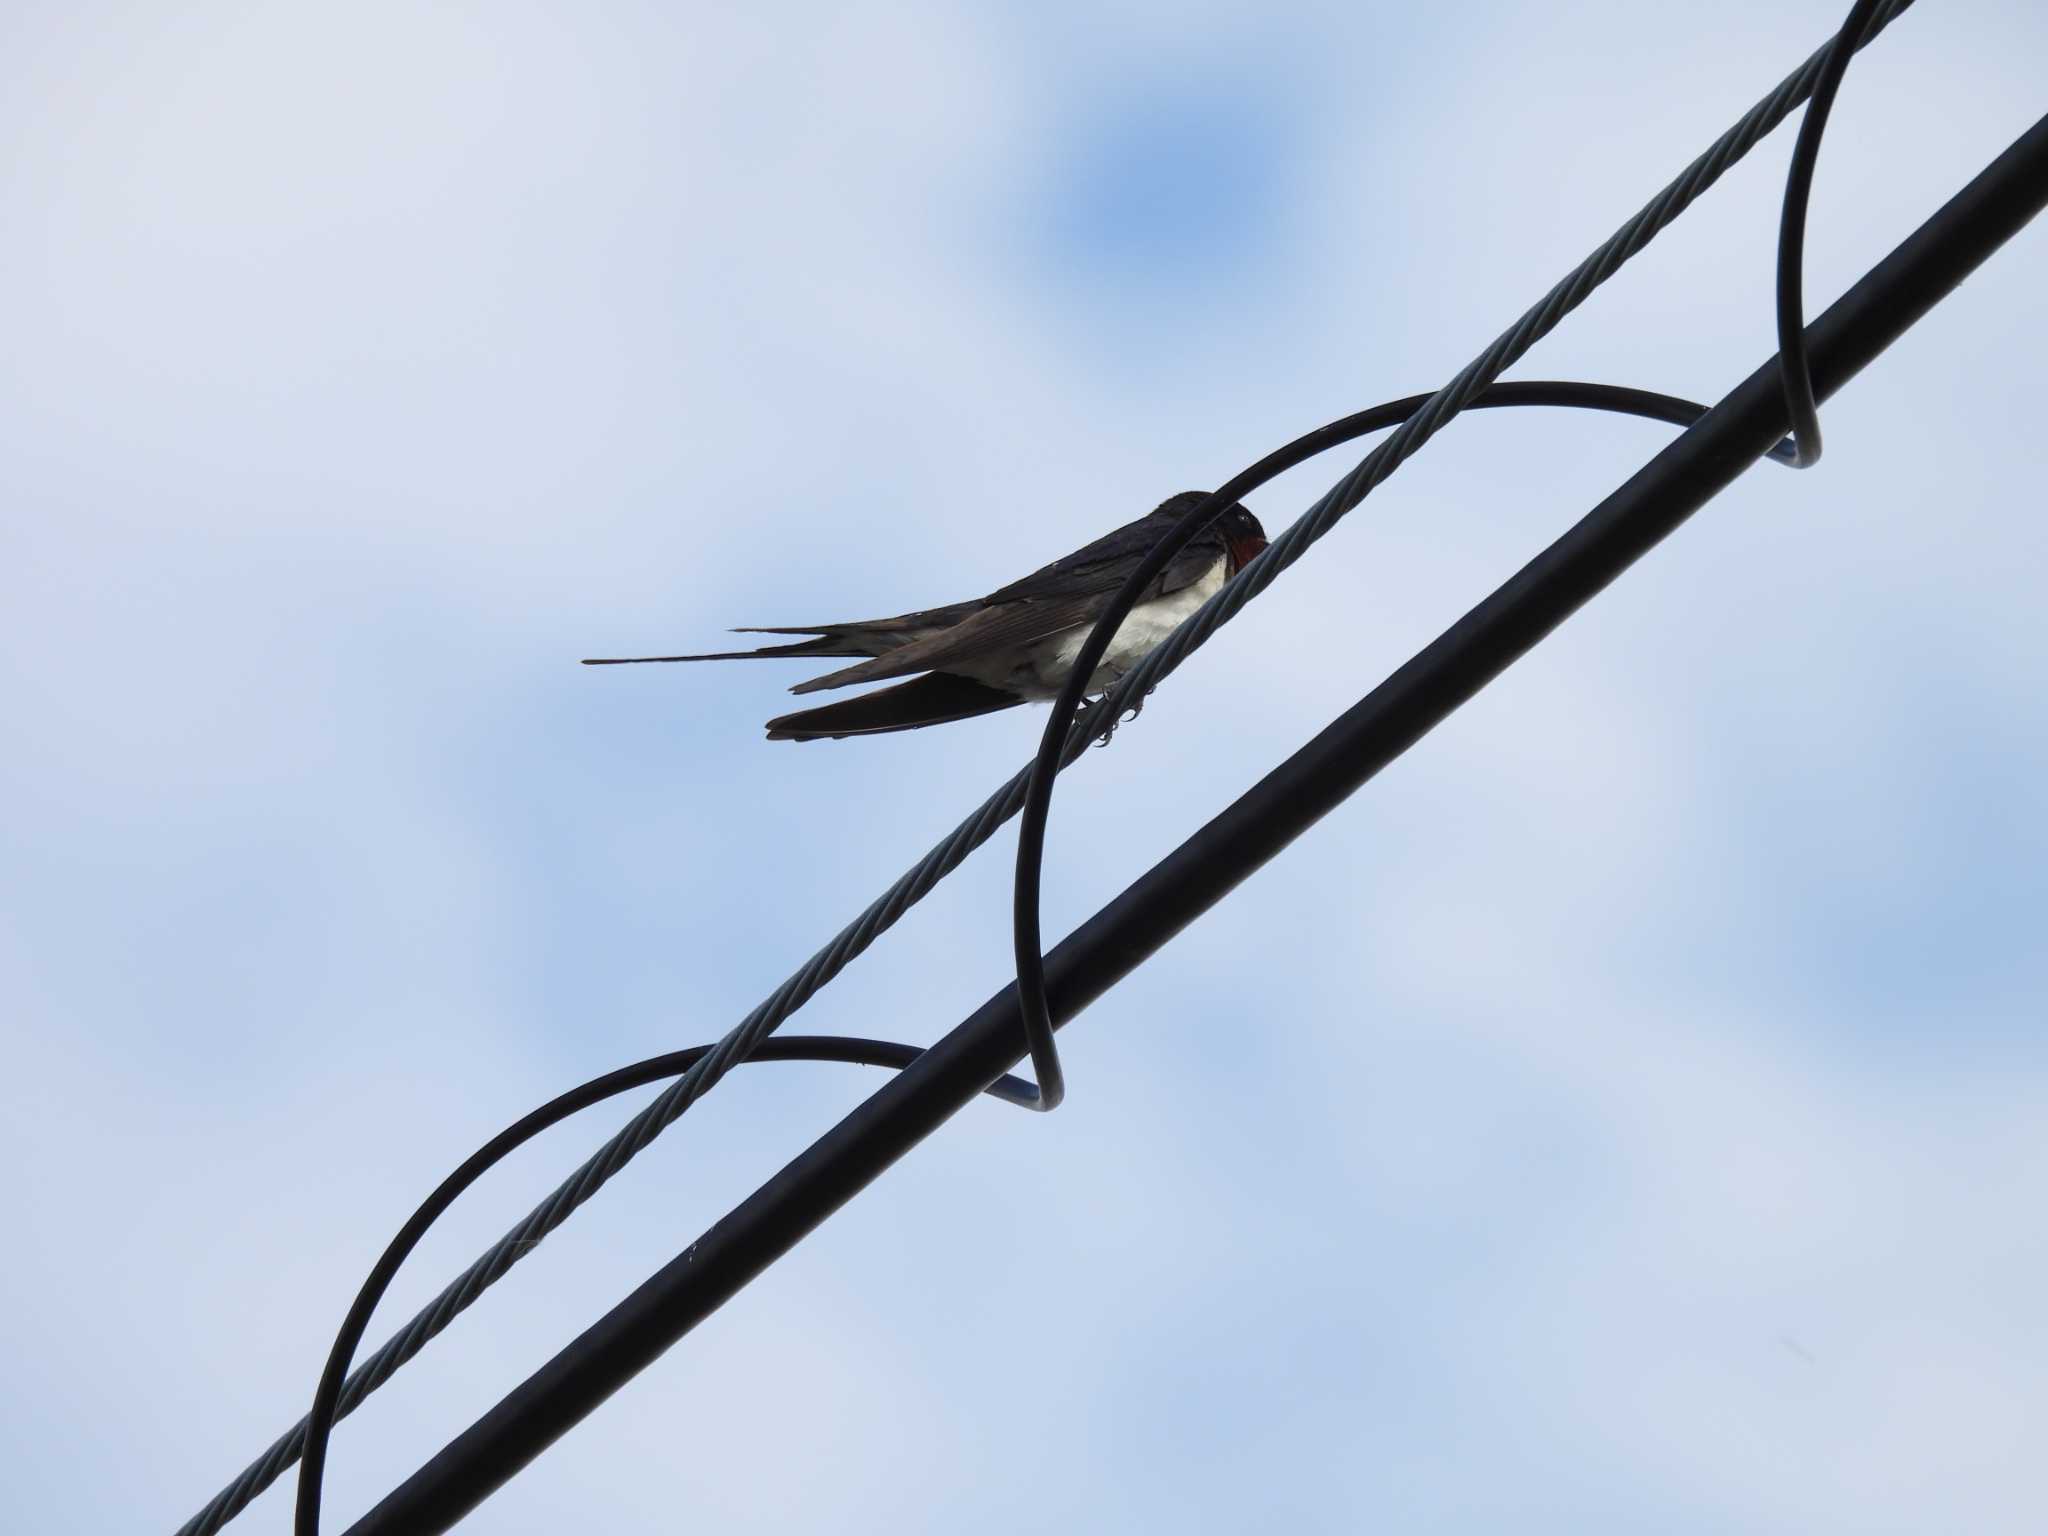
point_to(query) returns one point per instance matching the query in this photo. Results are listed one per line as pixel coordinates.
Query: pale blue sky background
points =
(1625, 1116)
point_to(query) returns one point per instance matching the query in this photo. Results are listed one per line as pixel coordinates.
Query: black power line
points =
(1445, 674)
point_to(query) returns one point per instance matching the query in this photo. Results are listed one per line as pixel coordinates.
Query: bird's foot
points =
(1102, 721)
(1097, 722)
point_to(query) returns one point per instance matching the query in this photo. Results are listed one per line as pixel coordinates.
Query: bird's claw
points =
(1101, 722)
(1096, 730)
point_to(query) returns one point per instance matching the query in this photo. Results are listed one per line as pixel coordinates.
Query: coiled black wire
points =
(1469, 390)
(1793, 366)
(327, 1398)
(1031, 994)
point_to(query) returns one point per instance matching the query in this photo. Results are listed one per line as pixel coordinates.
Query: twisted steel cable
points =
(951, 851)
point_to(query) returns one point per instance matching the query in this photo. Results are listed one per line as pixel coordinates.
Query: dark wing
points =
(1055, 597)
(1070, 591)
(981, 634)
(931, 700)
(1103, 565)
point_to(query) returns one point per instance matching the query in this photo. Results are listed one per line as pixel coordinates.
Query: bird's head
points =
(1242, 536)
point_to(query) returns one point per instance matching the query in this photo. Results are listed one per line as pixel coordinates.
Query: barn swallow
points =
(1018, 643)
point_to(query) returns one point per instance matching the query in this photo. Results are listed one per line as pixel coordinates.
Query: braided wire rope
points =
(951, 851)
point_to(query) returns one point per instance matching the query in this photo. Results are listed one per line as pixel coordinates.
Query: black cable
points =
(1037, 1011)
(1793, 366)
(320, 1420)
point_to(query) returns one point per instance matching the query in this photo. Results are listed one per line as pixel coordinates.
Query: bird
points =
(1017, 644)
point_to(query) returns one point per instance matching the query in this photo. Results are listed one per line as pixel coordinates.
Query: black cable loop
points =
(1035, 1006)
(1418, 417)
(1793, 365)
(321, 1418)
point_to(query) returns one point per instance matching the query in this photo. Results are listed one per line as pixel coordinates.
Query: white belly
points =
(1149, 623)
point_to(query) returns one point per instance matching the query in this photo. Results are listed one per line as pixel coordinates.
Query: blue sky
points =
(1625, 1115)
